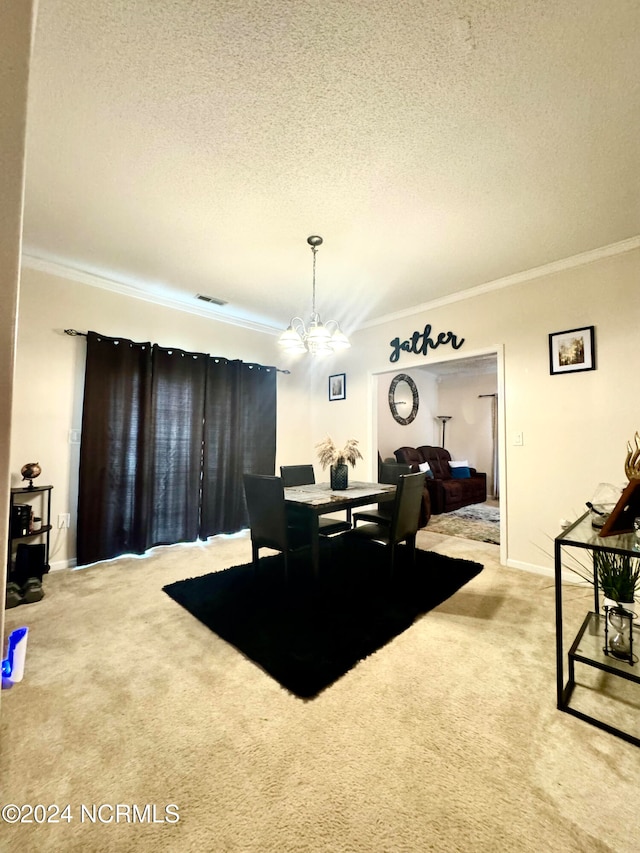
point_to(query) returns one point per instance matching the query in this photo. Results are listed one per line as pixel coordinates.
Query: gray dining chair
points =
(303, 475)
(403, 524)
(268, 519)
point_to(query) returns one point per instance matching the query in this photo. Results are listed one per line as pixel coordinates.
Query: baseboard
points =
(60, 565)
(530, 567)
(72, 563)
(567, 575)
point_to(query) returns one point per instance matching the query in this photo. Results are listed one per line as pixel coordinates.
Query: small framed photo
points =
(338, 386)
(572, 350)
(622, 516)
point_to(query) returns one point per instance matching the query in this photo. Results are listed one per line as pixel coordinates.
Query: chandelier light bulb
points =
(318, 333)
(339, 340)
(290, 340)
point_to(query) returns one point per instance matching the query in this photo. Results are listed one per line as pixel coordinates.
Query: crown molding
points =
(518, 278)
(210, 312)
(200, 309)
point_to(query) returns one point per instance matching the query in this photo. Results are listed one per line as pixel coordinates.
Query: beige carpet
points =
(445, 740)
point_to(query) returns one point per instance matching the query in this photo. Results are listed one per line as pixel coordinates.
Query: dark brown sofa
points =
(446, 491)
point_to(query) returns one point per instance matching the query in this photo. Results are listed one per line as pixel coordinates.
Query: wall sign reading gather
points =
(422, 342)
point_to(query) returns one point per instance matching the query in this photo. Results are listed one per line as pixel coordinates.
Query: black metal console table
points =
(588, 646)
(35, 493)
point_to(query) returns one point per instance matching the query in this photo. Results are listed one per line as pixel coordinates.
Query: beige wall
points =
(16, 34)
(575, 426)
(468, 434)
(50, 375)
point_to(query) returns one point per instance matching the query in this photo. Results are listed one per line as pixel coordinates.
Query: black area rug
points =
(306, 634)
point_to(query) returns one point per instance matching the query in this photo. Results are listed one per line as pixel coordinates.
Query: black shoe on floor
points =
(32, 591)
(14, 595)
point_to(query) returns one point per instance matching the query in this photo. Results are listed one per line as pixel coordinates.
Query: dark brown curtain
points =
(166, 437)
(175, 445)
(240, 436)
(113, 498)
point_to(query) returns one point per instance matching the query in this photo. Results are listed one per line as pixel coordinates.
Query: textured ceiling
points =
(185, 146)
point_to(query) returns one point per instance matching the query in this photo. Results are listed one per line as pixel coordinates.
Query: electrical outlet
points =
(64, 520)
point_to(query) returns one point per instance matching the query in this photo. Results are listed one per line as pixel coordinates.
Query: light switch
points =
(518, 439)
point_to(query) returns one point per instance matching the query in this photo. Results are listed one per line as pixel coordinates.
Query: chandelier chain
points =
(314, 249)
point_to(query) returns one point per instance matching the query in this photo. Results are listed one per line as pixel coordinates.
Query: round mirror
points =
(403, 399)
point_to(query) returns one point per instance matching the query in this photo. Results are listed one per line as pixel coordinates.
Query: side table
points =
(587, 647)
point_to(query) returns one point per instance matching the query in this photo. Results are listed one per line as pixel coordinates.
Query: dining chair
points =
(303, 475)
(405, 517)
(297, 475)
(388, 474)
(268, 519)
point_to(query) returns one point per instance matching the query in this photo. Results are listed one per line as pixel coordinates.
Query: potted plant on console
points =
(618, 576)
(329, 454)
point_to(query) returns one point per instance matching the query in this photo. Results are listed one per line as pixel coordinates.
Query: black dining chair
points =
(405, 517)
(297, 475)
(268, 519)
(303, 475)
(388, 474)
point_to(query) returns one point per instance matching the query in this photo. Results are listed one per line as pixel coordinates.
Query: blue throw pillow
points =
(460, 473)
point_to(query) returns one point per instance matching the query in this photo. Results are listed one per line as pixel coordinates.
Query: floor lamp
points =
(443, 420)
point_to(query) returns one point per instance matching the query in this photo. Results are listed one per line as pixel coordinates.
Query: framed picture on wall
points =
(338, 386)
(572, 350)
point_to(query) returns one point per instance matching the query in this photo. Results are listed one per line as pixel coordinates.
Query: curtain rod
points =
(74, 333)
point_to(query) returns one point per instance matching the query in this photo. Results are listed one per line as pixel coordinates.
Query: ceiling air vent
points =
(211, 299)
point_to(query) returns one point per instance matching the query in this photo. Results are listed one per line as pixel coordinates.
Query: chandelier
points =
(316, 337)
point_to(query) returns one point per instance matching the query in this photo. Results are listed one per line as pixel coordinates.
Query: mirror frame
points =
(402, 377)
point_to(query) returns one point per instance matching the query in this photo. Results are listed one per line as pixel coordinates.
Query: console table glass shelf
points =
(587, 646)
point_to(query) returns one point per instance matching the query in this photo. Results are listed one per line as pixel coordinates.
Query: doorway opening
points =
(459, 406)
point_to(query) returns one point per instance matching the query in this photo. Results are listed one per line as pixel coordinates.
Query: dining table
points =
(311, 501)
